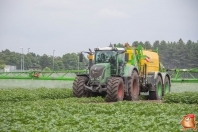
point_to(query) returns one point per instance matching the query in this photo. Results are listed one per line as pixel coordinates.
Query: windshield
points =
(104, 56)
(108, 56)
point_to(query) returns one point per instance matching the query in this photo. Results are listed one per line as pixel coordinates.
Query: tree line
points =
(171, 54)
(68, 61)
(175, 54)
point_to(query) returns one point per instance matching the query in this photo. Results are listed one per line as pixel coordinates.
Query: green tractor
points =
(120, 72)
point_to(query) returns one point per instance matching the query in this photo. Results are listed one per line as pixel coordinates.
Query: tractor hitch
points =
(95, 89)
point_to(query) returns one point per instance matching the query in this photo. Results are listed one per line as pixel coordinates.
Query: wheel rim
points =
(159, 89)
(166, 88)
(134, 87)
(120, 91)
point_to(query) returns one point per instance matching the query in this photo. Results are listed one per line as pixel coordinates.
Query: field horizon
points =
(25, 83)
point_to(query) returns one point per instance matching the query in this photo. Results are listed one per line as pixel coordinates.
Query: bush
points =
(46, 69)
(184, 97)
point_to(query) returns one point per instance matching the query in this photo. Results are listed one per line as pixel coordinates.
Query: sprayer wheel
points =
(78, 87)
(157, 94)
(166, 87)
(115, 89)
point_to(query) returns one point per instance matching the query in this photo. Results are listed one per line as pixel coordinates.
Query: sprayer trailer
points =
(120, 72)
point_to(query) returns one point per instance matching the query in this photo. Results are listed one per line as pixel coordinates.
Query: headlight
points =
(99, 78)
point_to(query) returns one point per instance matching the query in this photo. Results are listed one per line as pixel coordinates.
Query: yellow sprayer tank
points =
(151, 62)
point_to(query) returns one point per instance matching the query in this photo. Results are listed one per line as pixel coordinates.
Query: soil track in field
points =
(139, 101)
(151, 101)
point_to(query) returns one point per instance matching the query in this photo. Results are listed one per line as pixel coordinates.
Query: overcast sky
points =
(68, 26)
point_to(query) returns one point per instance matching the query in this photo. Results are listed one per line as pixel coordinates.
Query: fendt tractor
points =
(120, 72)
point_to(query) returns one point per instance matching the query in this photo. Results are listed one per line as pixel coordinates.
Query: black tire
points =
(166, 86)
(127, 94)
(133, 85)
(78, 87)
(157, 94)
(115, 89)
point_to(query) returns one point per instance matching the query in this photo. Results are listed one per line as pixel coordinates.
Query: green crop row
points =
(71, 116)
(50, 110)
(184, 97)
(21, 94)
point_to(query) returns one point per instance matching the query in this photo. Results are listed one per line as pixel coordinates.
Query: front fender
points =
(128, 70)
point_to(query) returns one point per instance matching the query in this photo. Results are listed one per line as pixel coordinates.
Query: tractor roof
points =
(109, 48)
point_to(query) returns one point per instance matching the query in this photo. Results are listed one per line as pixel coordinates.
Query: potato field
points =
(51, 109)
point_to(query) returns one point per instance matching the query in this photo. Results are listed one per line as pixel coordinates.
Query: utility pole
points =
(22, 60)
(28, 50)
(78, 63)
(53, 60)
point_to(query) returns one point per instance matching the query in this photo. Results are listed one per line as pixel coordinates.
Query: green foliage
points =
(184, 97)
(45, 61)
(70, 115)
(46, 69)
(59, 64)
(67, 62)
(55, 109)
(2, 64)
(20, 94)
(70, 61)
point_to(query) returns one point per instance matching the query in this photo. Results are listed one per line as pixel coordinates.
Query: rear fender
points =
(164, 76)
(158, 74)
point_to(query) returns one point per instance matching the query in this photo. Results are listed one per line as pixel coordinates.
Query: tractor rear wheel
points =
(133, 85)
(78, 87)
(157, 94)
(166, 87)
(115, 89)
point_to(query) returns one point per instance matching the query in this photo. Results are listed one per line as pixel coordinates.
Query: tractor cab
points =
(111, 55)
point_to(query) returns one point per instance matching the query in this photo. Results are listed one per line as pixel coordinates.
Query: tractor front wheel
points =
(115, 89)
(78, 87)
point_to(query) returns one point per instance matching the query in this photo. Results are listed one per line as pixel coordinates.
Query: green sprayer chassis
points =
(41, 75)
(177, 75)
(184, 75)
